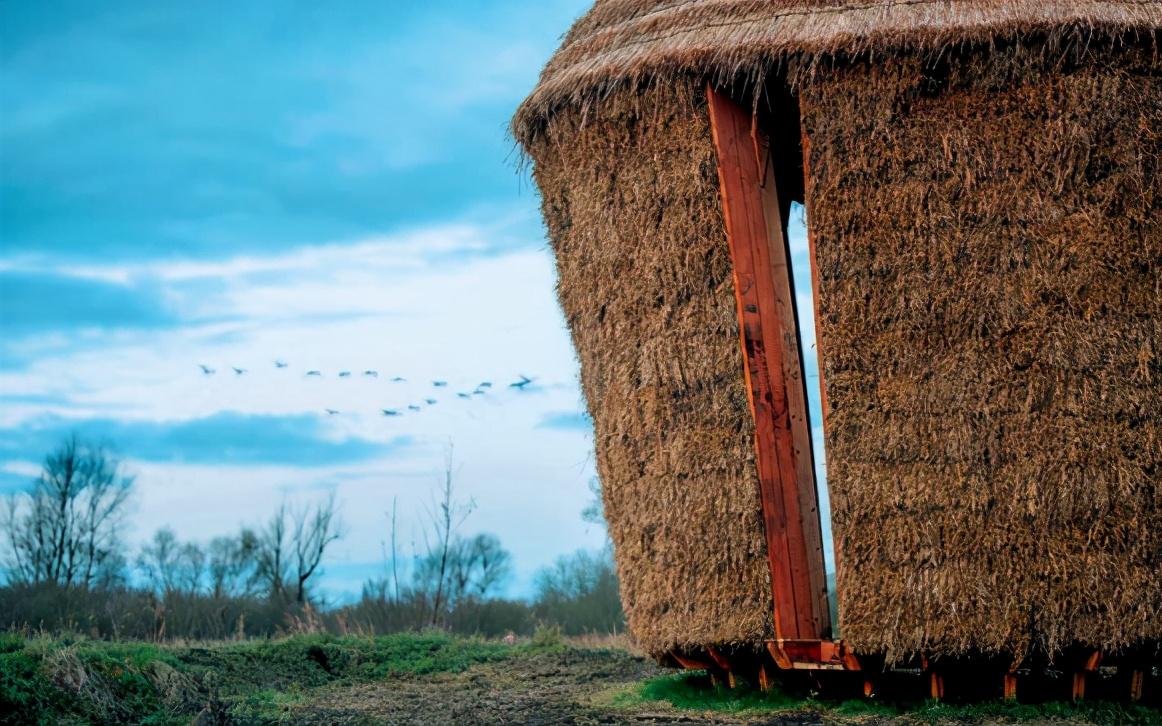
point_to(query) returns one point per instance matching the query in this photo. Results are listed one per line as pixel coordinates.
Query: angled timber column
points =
(773, 369)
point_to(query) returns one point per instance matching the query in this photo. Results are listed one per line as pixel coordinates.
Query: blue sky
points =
(331, 185)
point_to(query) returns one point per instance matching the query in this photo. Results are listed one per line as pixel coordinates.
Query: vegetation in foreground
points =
(429, 677)
(694, 692)
(52, 681)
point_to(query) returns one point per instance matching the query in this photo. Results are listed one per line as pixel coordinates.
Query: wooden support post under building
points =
(1081, 676)
(1011, 686)
(723, 664)
(1078, 686)
(1137, 680)
(765, 681)
(936, 685)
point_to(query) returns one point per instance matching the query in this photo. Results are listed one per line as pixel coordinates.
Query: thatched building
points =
(982, 188)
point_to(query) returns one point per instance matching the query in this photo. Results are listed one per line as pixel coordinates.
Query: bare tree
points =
(273, 552)
(233, 565)
(191, 568)
(315, 528)
(479, 565)
(394, 551)
(580, 592)
(158, 561)
(446, 515)
(170, 566)
(64, 530)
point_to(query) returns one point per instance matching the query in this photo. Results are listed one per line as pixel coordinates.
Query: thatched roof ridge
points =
(631, 41)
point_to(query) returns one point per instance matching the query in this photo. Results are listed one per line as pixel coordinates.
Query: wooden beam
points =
(782, 660)
(1010, 686)
(770, 344)
(826, 655)
(691, 664)
(802, 462)
(1079, 678)
(723, 664)
(1137, 680)
(765, 682)
(936, 685)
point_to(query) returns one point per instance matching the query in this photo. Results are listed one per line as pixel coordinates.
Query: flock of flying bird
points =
(481, 388)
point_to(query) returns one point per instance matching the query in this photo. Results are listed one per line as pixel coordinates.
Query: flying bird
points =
(207, 370)
(485, 384)
(464, 395)
(430, 401)
(413, 408)
(238, 371)
(390, 412)
(371, 374)
(520, 385)
(439, 384)
(478, 392)
(398, 379)
(331, 411)
(280, 364)
(314, 373)
(344, 374)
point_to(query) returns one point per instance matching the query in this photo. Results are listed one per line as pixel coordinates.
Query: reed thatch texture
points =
(984, 183)
(990, 254)
(622, 43)
(630, 197)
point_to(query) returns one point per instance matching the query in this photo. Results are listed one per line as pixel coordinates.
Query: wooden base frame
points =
(830, 667)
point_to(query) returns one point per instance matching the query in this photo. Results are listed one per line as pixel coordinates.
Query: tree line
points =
(67, 568)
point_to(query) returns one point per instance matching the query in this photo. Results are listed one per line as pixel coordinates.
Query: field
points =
(429, 678)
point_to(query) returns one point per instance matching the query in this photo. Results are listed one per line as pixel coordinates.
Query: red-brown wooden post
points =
(765, 682)
(773, 372)
(723, 664)
(1010, 686)
(936, 685)
(1137, 679)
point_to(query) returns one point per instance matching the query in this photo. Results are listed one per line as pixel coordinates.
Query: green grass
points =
(72, 680)
(78, 681)
(693, 692)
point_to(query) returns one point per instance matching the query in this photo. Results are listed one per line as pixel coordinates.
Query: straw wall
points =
(991, 288)
(630, 198)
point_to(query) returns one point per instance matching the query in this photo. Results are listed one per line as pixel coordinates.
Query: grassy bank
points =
(62, 680)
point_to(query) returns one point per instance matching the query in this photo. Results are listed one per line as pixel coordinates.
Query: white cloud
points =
(406, 306)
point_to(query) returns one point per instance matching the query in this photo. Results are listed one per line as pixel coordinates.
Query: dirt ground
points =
(573, 687)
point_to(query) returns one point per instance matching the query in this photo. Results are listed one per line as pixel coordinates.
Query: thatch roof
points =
(630, 41)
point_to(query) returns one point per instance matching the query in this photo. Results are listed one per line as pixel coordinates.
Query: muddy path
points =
(572, 687)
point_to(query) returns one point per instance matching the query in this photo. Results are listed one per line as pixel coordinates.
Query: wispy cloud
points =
(223, 438)
(36, 302)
